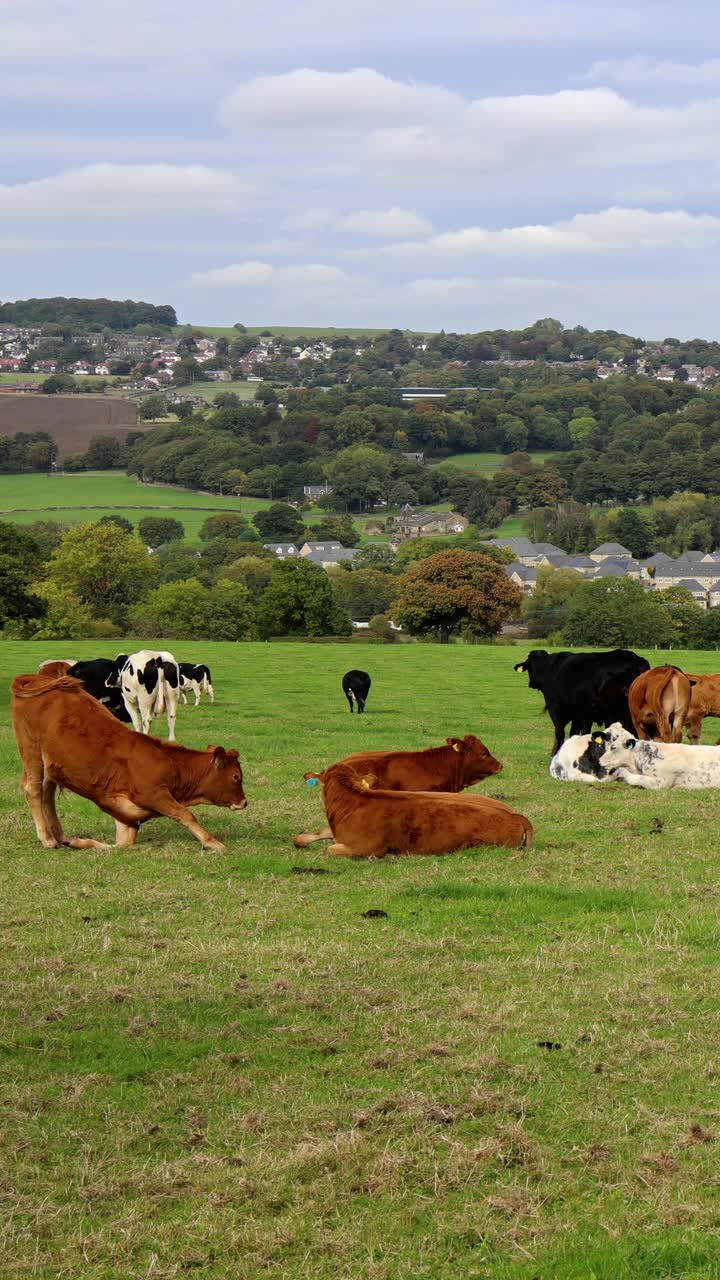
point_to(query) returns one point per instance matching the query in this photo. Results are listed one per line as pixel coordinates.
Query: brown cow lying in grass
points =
(659, 701)
(368, 823)
(704, 701)
(460, 763)
(67, 739)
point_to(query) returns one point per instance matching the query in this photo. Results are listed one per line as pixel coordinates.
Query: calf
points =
(583, 689)
(459, 764)
(368, 823)
(150, 684)
(578, 760)
(356, 687)
(656, 766)
(196, 677)
(659, 701)
(66, 739)
(704, 701)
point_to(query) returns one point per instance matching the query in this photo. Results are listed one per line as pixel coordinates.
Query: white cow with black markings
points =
(578, 760)
(150, 684)
(657, 766)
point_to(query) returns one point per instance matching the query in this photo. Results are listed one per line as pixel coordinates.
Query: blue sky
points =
(466, 165)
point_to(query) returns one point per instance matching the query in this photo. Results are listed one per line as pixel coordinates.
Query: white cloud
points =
(117, 189)
(388, 222)
(643, 70)
(330, 101)
(609, 230)
(309, 275)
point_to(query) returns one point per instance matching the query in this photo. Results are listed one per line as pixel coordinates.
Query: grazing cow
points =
(368, 823)
(196, 677)
(578, 760)
(659, 701)
(150, 684)
(94, 674)
(459, 764)
(656, 766)
(583, 688)
(704, 701)
(66, 739)
(356, 686)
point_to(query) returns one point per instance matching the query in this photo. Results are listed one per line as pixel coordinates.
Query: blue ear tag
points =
(312, 782)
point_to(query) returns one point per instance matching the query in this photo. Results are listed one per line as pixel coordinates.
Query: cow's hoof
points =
(216, 846)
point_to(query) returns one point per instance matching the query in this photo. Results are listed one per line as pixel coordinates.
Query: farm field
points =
(485, 463)
(221, 1065)
(22, 377)
(85, 497)
(71, 420)
(209, 390)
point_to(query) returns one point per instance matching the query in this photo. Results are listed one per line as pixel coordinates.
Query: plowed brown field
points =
(70, 420)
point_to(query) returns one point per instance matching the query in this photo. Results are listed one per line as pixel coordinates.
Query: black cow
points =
(584, 689)
(95, 674)
(356, 687)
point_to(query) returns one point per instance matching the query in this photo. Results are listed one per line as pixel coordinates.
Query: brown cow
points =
(67, 739)
(368, 823)
(460, 763)
(705, 701)
(659, 701)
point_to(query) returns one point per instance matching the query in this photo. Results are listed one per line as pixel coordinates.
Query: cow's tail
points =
(160, 693)
(33, 686)
(528, 833)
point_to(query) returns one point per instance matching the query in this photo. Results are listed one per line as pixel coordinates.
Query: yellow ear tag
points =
(455, 746)
(599, 737)
(364, 783)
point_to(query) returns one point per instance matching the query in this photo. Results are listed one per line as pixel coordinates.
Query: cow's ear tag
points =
(365, 784)
(599, 737)
(312, 782)
(456, 746)
(631, 744)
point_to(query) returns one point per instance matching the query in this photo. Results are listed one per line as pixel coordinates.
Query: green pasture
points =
(485, 464)
(222, 1065)
(22, 377)
(85, 497)
(209, 390)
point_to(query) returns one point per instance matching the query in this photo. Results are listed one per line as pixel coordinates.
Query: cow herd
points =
(71, 723)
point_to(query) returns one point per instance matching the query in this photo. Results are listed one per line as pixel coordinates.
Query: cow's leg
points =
(32, 785)
(182, 695)
(694, 725)
(171, 704)
(48, 802)
(349, 697)
(360, 704)
(125, 836)
(210, 693)
(168, 807)
(559, 727)
(134, 712)
(305, 838)
(342, 851)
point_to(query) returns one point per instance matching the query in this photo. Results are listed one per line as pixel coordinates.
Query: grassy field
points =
(80, 498)
(222, 1066)
(485, 463)
(297, 331)
(209, 390)
(22, 377)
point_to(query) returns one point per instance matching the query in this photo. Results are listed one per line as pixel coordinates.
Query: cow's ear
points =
(368, 781)
(457, 744)
(219, 756)
(520, 666)
(631, 744)
(599, 737)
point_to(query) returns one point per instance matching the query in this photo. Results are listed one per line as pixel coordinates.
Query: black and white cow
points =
(356, 687)
(578, 760)
(150, 685)
(196, 677)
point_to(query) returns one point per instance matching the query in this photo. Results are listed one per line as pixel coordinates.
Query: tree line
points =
(87, 313)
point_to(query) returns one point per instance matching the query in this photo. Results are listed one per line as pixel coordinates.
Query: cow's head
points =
(345, 775)
(222, 784)
(535, 665)
(113, 677)
(621, 749)
(589, 761)
(477, 761)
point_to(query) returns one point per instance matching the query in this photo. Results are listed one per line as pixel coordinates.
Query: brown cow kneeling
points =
(460, 763)
(67, 739)
(368, 823)
(659, 700)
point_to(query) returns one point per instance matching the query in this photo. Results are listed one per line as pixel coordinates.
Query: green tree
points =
(253, 572)
(57, 383)
(617, 613)
(121, 521)
(631, 529)
(380, 629)
(104, 453)
(337, 528)
(364, 592)
(66, 616)
(16, 601)
(359, 476)
(156, 530)
(175, 609)
(228, 524)
(177, 560)
(452, 590)
(106, 568)
(546, 610)
(152, 407)
(279, 523)
(230, 615)
(375, 555)
(300, 601)
(685, 614)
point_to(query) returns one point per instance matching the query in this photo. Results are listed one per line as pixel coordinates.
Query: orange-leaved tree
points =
(455, 589)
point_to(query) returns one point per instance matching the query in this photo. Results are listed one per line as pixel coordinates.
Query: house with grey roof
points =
(523, 575)
(327, 554)
(697, 591)
(283, 550)
(608, 550)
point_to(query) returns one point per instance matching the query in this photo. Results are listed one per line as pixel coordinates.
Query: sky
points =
(466, 165)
